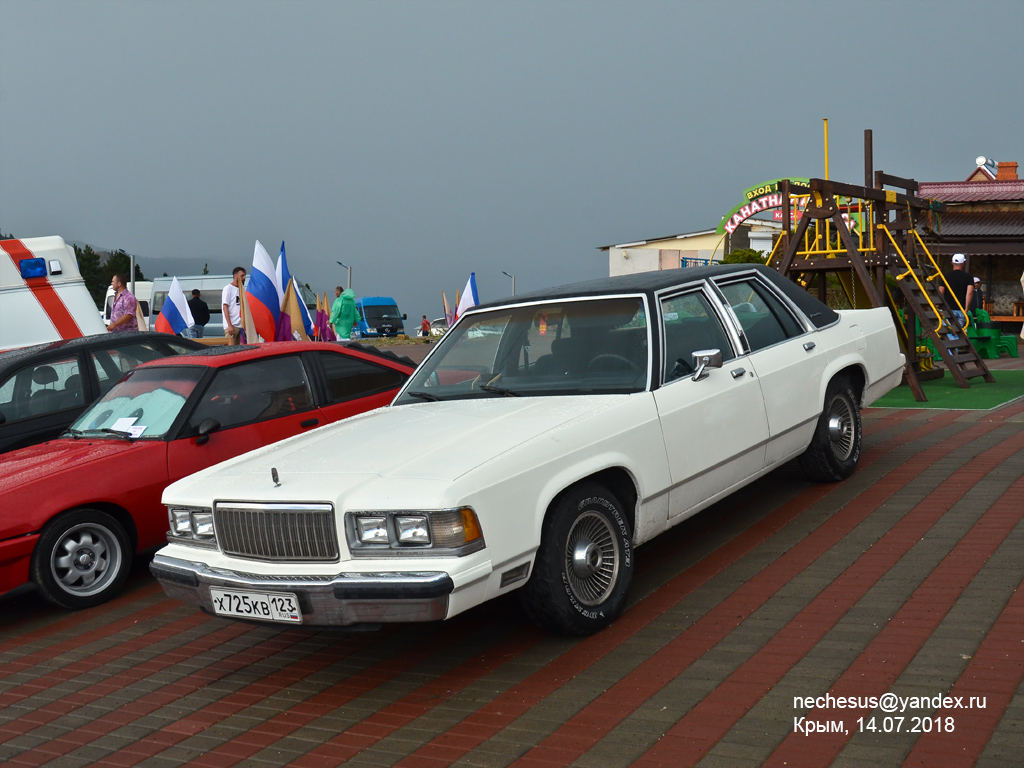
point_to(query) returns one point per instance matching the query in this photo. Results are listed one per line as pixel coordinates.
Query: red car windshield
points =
(145, 404)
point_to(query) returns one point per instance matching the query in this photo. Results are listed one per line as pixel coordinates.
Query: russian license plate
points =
(272, 606)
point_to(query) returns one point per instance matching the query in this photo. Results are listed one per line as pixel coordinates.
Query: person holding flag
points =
(175, 315)
(262, 296)
(231, 306)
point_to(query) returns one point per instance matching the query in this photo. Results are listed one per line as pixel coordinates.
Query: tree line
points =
(98, 267)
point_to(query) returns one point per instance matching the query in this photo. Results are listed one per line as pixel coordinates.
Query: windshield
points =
(143, 404)
(374, 313)
(569, 347)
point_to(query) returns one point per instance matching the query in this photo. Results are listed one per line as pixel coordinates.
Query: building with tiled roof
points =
(984, 220)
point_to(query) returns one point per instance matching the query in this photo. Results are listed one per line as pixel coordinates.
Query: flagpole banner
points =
(469, 297)
(248, 328)
(290, 324)
(307, 321)
(175, 315)
(261, 292)
(282, 275)
(449, 316)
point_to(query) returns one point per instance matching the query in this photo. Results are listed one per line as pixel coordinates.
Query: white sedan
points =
(539, 443)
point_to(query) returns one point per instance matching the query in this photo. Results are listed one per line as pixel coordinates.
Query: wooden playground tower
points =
(863, 234)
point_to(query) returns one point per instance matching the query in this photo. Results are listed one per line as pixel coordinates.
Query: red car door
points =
(355, 385)
(255, 403)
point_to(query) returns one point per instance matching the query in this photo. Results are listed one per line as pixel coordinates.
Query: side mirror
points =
(206, 428)
(704, 359)
(405, 317)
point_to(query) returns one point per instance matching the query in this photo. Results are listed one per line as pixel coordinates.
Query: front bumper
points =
(341, 600)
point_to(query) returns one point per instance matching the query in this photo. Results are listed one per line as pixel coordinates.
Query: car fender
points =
(514, 533)
(835, 367)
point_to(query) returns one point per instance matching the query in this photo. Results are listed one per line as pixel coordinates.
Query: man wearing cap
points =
(961, 282)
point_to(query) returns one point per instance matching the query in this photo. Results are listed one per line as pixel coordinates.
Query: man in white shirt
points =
(231, 306)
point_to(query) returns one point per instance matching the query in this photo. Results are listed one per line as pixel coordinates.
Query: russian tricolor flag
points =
(283, 276)
(175, 315)
(469, 297)
(261, 294)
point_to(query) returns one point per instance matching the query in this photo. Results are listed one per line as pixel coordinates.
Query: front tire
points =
(835, 448)
(82, 559)
(584, 566)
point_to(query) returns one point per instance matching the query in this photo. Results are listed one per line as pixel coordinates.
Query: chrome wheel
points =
(85, 559)
(841, 431)
(591, 558)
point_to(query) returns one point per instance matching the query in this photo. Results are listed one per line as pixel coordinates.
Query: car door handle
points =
(309, 423)
(809, 346)
(738, 372)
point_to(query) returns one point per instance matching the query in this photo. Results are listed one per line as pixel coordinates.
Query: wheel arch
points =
(619, 481)
(851, 370)
(119, 513)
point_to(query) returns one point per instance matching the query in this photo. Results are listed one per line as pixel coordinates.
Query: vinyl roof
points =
(651, 283)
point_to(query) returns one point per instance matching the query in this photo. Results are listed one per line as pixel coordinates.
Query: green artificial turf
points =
(944, 393)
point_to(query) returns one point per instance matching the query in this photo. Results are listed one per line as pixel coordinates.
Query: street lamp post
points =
(506, 274)
(346, 266)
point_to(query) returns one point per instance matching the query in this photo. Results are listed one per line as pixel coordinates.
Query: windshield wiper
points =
(75, 433)
(499, 390)
(114, 432)
(424, 396)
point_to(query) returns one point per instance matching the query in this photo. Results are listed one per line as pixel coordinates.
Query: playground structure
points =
(864, 234)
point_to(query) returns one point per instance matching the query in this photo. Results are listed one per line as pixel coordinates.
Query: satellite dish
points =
(981, 160)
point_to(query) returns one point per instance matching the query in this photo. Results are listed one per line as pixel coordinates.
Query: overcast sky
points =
(419, 141)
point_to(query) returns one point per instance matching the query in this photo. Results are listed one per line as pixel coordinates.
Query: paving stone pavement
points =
(905, 580)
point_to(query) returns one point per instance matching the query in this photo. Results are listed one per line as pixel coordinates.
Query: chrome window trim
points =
(796, 313)
(718, 307)
(642, 295)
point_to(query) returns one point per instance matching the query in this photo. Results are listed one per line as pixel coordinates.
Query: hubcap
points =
(840, 428)
(591, 558)
(85, 559)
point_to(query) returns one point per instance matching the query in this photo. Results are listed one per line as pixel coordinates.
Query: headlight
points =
(412, 529)
(202, 524)
(372, 530)
(446, 532)
(191, 525)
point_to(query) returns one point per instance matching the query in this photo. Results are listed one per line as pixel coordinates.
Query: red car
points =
(75, 511)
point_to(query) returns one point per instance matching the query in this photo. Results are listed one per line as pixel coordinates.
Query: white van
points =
(210, 287)
(143, 293)
(42, 294)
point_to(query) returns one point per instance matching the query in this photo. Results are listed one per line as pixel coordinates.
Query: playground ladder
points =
(939, 323)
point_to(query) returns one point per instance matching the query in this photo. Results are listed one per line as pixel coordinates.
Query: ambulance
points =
(42, 294)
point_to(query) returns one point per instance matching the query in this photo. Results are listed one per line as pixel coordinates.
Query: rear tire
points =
(835, 448)
(82, 559)
(584, 566)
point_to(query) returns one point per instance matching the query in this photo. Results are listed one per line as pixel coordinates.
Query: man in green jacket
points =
(343, 312)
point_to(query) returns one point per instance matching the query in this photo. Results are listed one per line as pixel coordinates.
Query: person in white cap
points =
(961, 282)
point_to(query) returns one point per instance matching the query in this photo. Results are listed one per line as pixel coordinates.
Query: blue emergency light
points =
(32, 268)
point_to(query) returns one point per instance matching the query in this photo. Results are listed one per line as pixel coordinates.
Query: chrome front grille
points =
(277, 531)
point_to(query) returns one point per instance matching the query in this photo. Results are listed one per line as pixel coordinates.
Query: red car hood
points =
(49, 459)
